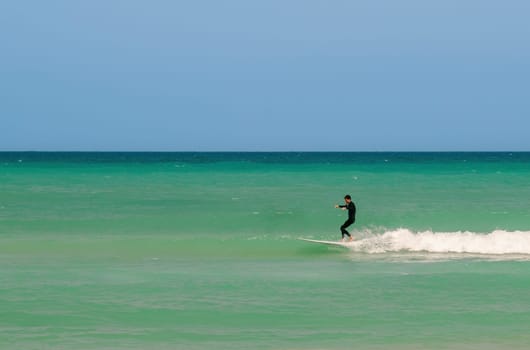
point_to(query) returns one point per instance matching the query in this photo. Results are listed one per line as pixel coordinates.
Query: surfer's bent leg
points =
(343, 228)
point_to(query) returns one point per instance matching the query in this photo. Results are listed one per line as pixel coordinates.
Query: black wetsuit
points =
(351, 218)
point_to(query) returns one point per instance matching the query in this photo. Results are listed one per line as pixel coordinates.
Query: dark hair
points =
(347, 196)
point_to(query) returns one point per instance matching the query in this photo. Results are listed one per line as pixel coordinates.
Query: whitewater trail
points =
(496, 242)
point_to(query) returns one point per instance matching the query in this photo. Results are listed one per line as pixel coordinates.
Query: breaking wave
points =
(496, 242)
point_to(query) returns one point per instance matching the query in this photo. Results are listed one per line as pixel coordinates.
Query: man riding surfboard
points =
(350, 206)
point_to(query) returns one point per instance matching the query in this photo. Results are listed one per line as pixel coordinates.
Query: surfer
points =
(350, 206)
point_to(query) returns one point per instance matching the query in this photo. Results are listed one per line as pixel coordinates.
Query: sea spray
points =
(496, 242)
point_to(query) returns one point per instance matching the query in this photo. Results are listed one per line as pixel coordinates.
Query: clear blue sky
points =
(265, 75)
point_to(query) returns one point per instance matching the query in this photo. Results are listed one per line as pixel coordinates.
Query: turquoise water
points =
(200, 251)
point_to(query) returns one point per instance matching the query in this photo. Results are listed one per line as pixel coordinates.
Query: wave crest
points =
(496, 242)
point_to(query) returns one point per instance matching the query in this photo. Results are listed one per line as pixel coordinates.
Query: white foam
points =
(496, 242)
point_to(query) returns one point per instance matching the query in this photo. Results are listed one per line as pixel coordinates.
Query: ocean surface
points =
(201, 251)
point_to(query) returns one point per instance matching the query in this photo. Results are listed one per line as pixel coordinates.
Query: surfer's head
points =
(347, 198)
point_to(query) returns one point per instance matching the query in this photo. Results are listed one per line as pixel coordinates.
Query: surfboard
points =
(330, 243)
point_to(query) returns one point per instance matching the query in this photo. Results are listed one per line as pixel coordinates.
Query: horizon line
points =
(263, 151)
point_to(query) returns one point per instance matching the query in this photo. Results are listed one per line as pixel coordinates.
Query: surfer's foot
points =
(351, 238)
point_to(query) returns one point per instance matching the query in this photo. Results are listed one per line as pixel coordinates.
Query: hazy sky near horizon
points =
(265, 75)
